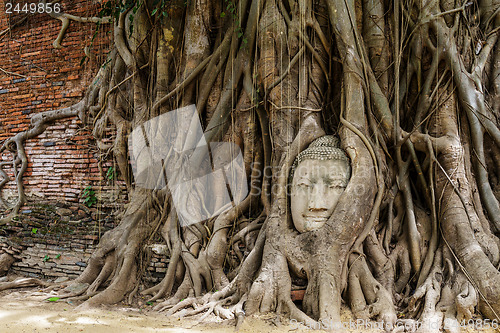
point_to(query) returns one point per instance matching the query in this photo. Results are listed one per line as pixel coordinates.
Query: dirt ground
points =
(27, 310)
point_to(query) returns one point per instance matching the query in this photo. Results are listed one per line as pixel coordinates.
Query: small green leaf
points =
(83, 60)
(149, 303)
(58, 256)
(110, 174)
(89, 197)
(222, 14)
(53, 299)
(131, 27)
(154, 12)
(46, 258)
(34, 230)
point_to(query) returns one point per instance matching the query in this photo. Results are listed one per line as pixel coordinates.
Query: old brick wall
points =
(51, 241)
(36, 77)
(55, 234)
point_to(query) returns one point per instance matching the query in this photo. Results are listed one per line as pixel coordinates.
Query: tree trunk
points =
(406, 86)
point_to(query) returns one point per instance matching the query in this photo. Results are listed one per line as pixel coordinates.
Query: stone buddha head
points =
(319, 176)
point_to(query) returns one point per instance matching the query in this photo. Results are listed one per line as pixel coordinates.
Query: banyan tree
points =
(348, 148)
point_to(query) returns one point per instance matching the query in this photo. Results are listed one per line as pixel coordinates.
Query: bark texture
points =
(411, 88)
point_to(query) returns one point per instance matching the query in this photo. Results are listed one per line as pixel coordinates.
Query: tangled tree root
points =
(269, 71)
(21, 283)
(368, 298)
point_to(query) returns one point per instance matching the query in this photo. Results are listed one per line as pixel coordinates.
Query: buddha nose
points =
(317, 199)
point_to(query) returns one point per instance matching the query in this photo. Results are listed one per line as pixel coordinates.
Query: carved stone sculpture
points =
(319, 176)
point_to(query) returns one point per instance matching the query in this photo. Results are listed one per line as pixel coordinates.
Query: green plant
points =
(34, 230)
(46, 258)
(160, 8)
(232, 9)
(88, 196)
(110, 174)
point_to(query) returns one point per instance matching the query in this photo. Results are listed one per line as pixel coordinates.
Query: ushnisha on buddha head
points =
(318, 178)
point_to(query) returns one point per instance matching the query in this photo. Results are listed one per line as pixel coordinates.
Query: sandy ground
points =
(27, 311)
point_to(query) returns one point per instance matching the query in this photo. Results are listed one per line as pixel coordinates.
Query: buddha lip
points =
(316, 217)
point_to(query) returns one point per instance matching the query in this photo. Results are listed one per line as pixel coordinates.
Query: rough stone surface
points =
(63, 211)
(61, 279)
(76, 288)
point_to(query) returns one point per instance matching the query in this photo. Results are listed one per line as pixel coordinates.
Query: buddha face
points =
(316, 188)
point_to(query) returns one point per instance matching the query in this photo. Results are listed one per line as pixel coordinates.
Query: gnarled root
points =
(237, 289)
(270, 291)
(115, 259)
(368, 298)
(263, 293)
(429, 294)
(38, 124)
(458, 299)
(21, 283)
(210, 302)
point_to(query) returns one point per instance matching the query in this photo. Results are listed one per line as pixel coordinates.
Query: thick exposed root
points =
(271, 281)
(445, 300)
(114, 261)
(369, 299)
(21, 283)
(275, 63)
(210, 302)
(430, 291)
